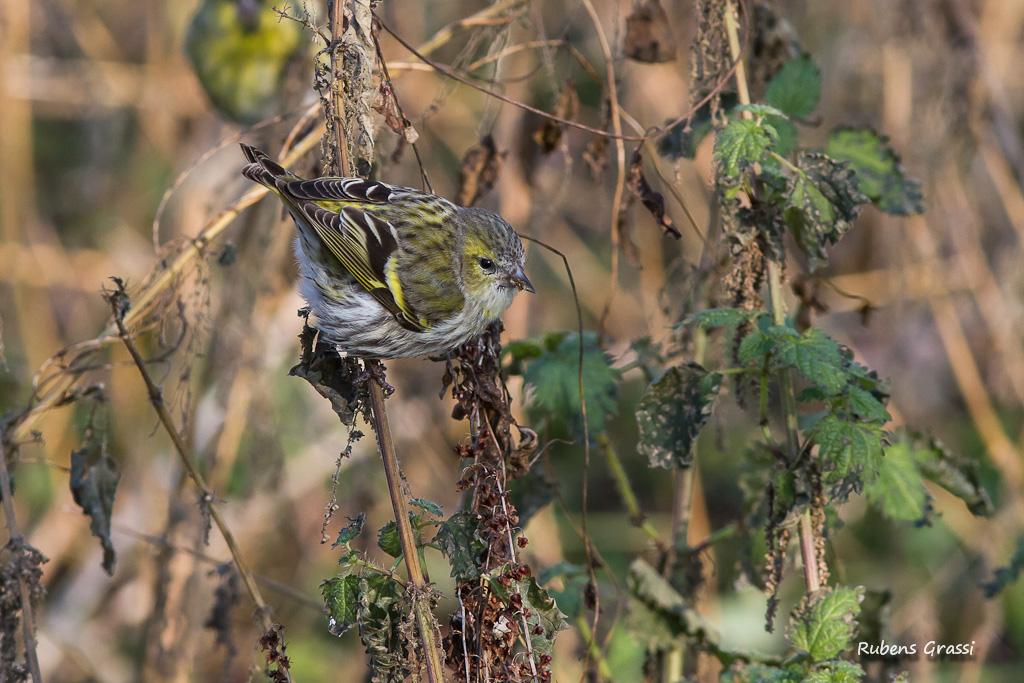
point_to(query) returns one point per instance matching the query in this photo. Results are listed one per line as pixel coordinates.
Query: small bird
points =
(393, 272)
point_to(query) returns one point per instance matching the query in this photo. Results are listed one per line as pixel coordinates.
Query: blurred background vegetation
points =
(102, 110)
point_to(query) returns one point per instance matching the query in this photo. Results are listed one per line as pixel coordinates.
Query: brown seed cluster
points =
(489, 635)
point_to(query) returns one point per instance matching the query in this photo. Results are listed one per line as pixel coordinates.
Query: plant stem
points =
(28, 624)
(357, 90)
(809, 552)
(778, 306)
(337, 89)
(626, 490)
(595, 651)
(808, 549)
(620, 157)
(156, 398)
(405, 536)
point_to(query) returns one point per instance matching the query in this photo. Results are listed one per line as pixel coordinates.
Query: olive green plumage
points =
(243, 55)
(391, 271)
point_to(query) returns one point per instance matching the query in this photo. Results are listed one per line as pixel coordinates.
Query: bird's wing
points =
(357, 221)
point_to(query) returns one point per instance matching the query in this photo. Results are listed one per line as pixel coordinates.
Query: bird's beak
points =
(519, 280)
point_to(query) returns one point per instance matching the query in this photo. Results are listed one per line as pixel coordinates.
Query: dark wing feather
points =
(354, 218)
(341, 190)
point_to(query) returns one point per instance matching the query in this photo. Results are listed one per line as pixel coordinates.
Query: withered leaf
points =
(648, 36)
(481, 167)
(385, 104)
(549, 135)
(652, 201)
(596, 155)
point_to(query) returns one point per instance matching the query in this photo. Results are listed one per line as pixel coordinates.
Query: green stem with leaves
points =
(778, 312)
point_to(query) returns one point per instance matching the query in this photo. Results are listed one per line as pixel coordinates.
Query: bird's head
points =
(493, 259)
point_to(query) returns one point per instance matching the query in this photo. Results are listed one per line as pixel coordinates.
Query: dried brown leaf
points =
(549, 135)
(596, 156)
(481, 167)
(652, 201)
(385, 104)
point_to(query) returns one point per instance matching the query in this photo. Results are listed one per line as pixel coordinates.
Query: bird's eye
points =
(487, 264)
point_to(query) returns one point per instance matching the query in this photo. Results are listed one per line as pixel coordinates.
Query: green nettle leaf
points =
(898, 491)
(672, 412)
(530, 493)
(866, 449)
(753, 347)
(554, 380)
(956, 473)
(382, 613)
(720, 317)
(761, 111)
(812, 393)
(866, 406)
(814, 354)
(823, 624)
(879, 173)
(93, 483)
(788, 135)
(349, 533)
(658, 614)
(743, 142)
(427, 506)
(796, 88)
(458, 539)
(574, 581)
(822, 202)
(388, 540)
(846, 446)
(523, 349)
(831, 436)
(650, 628)
(836, 671)
(543, 612)
(341, 596)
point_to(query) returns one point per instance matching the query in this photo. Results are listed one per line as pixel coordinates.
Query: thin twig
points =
(284, 589)
(485, 16)
(512, 551)
(155, 288)
(625, 489)
(405, 536)
(620, 158)
(652, 153)
(386, 77)
(118, 301)
(337, 84)
(196, 163)
(454, 75)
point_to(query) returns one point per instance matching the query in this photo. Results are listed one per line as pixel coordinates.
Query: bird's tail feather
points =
(262, 169)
